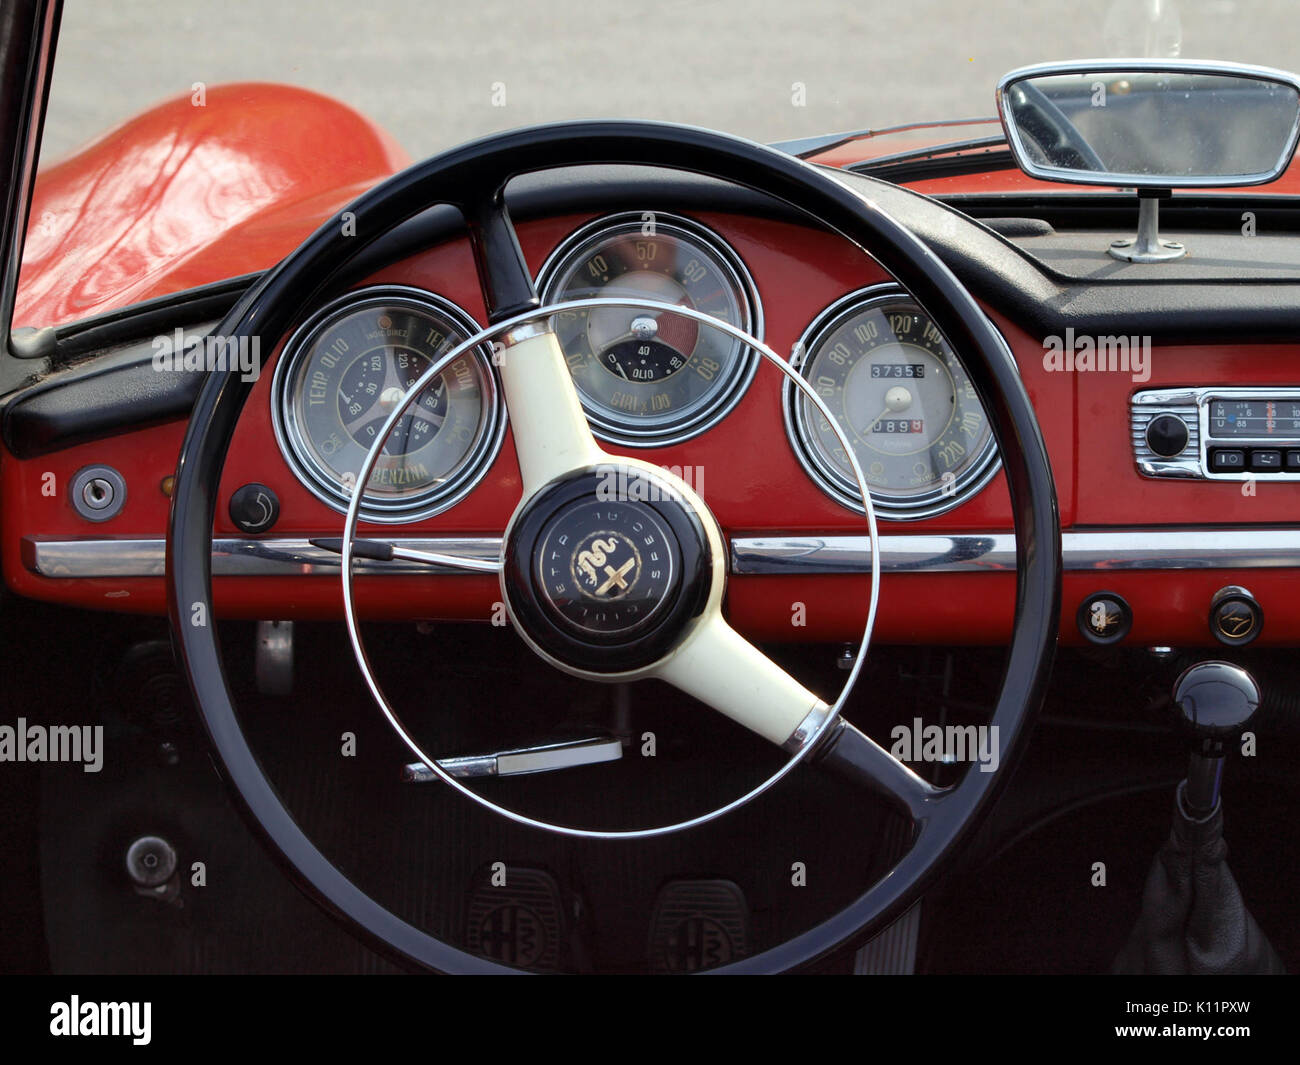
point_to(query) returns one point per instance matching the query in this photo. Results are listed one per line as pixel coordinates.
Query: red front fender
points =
(208, 185)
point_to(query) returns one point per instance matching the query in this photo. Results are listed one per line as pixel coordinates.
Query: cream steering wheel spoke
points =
(622, 578)
(725, 671)
(550, 428)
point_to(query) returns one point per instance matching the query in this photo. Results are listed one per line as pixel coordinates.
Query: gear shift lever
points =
(1215, 702)
(1193, 918)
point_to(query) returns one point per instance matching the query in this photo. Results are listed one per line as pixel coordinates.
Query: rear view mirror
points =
(1164, 125)
(1151, 124)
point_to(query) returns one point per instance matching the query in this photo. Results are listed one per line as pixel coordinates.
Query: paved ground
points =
(437, 72)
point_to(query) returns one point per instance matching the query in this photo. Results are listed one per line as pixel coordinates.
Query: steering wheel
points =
(688, 644)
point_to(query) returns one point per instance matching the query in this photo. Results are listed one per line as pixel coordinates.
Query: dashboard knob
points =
(254, 508)
(1235, 617)
(1104, 618)
(1216, 700)
(1166, 435)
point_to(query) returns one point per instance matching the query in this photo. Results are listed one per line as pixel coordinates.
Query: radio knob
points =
(1167, 435)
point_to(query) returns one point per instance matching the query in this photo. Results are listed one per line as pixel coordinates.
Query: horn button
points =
(605, 568)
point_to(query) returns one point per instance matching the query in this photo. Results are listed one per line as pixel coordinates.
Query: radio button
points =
(1265, 459)
(1227, 458)
(1292, 459)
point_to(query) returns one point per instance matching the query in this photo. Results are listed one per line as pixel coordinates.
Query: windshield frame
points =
(29, 31)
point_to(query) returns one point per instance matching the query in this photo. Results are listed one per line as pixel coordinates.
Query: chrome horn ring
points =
(804, 738)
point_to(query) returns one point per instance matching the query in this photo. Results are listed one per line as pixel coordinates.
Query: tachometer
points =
(904, 400)
(344, 371)
(651, 377)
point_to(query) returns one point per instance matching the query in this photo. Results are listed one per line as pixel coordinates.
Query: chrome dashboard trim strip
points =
(1089, 550)
(808, 555)
(1101, 550)
(238, 557)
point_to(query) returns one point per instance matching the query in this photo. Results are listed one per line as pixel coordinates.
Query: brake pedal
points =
(698, 924)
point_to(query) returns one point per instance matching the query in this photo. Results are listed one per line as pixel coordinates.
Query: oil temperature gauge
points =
(645, 375)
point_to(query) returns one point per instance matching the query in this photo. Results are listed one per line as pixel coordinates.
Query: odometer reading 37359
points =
(647, 376)
(348, 368)
(902, 397)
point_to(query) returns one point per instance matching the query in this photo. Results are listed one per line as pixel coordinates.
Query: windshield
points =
(435, 75)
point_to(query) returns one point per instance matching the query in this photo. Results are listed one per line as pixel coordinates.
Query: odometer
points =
(344, 372)
(650, 377)
(904, 401)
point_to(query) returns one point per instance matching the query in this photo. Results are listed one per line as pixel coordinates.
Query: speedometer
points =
(649, 377)
(903, 399)
(346, 369)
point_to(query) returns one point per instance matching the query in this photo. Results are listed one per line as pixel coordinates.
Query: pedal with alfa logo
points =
(1217, 434)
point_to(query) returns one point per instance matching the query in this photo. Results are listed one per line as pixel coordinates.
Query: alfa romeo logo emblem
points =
(605, 565)
(605, 568)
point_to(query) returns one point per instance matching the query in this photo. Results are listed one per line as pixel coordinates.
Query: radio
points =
(1217, 434)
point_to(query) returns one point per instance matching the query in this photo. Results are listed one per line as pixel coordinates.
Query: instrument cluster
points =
(646, 378)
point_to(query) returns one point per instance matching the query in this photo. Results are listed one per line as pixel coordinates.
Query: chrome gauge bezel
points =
(322, 482)
(605, 423)
(824, 471)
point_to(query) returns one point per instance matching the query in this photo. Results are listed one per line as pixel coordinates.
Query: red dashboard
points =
(748, 473)
(1166, 546)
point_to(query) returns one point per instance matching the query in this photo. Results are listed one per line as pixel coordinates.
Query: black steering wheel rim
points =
(473, 178)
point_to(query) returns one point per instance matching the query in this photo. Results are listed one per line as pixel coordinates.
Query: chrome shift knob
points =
(1215, 702)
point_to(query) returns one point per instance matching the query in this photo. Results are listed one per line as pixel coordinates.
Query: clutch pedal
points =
(516, 916)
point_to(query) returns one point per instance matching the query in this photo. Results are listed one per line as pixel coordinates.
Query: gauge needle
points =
(872, 424)
(645, 327)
